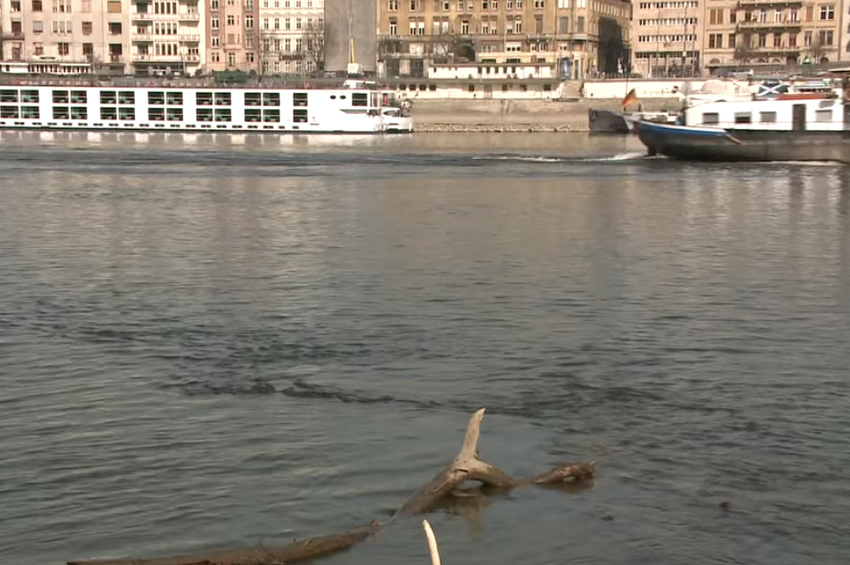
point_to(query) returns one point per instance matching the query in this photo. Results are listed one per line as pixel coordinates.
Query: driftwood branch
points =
(465, 467)
(432, 543)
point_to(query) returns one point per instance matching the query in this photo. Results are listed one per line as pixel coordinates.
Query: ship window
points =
(126, 97)
(271, 116)
(108, 113)
(174, 98)
(29, 112)
(333, 96)
(8, 95)
(204, 114)
(743, 118)
(299, 99)
(299, 116)
(107, 97)
(30, 96)
(222, 114)
(156, 98)
(60, 96)
(252, 114)
(9, 112)
(823, 115)
(78, 97)
(359, 99)
(61, 113)
(767, 117)
(252, 98)
(126, 113)
(271, 99)
(79, 113)
(204, 98)
(222, 99)
(156, 114)
(711, 118)
(174, 115)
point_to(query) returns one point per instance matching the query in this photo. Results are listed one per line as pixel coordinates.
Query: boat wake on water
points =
(627, 156)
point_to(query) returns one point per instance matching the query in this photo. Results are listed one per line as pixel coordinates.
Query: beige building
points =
(292, 36)
(667, 37)
(62, 36)
(752, 32)
(579, 37)
(166, 36)
(232, 35)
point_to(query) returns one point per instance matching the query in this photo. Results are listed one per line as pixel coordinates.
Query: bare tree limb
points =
(432, 543)
(466, 466)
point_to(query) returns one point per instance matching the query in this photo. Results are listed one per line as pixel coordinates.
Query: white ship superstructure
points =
(153, 108)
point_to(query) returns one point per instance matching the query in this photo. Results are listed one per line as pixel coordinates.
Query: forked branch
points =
(466, 466)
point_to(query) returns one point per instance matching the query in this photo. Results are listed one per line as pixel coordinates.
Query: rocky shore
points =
(527, 116)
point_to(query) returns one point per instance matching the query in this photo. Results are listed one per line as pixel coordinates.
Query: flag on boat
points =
(630, 97)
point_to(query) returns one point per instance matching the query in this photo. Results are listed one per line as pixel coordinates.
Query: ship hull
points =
(716, 144)
(608, 122)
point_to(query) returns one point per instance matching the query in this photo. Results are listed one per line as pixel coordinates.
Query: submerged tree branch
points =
(466, 466)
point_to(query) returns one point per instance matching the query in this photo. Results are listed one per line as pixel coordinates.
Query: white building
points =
(291, 36)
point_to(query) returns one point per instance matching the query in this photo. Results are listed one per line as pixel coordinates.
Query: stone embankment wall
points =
(517, 115)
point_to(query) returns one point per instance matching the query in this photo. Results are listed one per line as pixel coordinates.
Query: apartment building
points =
(291, 36)
(580, 37)
(667, 37)
(753, 32)
(232, 35)
(64, 36)
(165, 36)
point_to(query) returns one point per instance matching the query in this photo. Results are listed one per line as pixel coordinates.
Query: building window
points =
(37, 6)
(715, 41)
(249, 22)
(87, 28)
(231, 20)
(393, 27)
(214, 23)
(64, 49)
(827, 12)
(392, 5)
(38, 27)
(231, 59)
(825, 37)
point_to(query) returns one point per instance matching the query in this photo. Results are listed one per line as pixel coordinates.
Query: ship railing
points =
(90, 80)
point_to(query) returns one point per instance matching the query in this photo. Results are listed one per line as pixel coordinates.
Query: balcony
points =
(148, 17)
(12, 35)
(748, 25)
(149, 58)
(770, 51)
(766, 3)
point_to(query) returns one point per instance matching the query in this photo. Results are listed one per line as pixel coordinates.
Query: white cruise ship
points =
(60, 105)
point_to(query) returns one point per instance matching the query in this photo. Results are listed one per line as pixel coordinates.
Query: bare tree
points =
(744, 51)
(817, 51)
(313, 47)
(265, 50)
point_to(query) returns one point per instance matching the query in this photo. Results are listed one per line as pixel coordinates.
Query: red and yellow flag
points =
(630, 97)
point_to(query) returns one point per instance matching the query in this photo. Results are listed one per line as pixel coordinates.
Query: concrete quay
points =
(477, 115)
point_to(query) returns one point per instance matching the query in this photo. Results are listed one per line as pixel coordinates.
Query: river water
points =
(685, 326)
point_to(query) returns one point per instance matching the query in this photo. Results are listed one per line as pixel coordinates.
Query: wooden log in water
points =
(466, 466)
